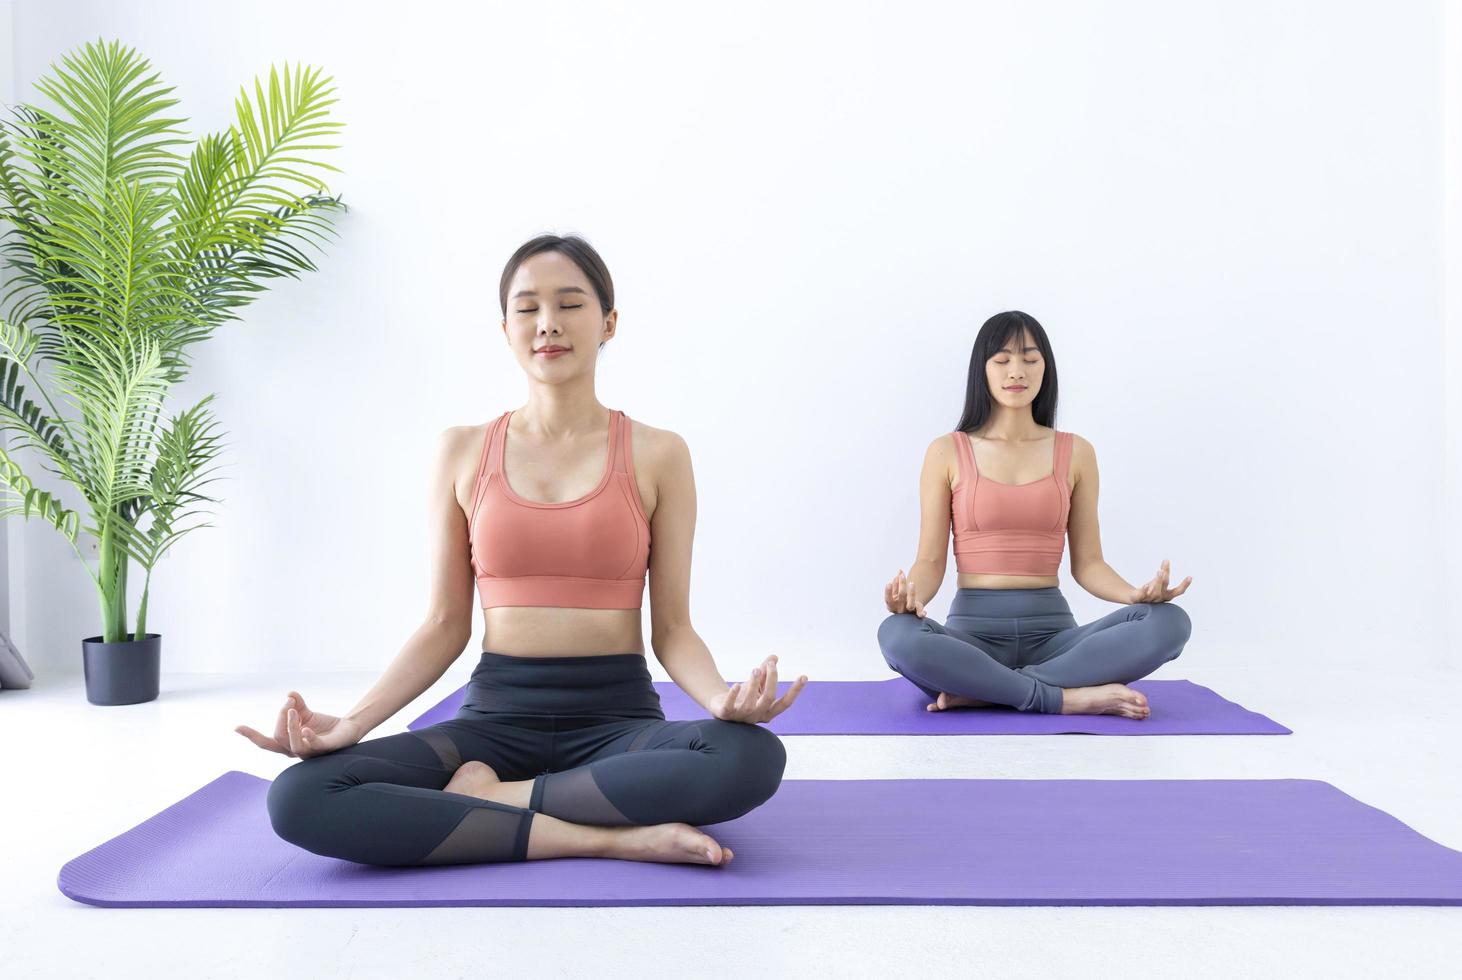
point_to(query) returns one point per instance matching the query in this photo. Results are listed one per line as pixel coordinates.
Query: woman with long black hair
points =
(1013, 488)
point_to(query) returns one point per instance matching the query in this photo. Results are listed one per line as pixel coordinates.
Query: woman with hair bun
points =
(559, 511)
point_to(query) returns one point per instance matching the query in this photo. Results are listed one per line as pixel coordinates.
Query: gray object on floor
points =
(14, 671)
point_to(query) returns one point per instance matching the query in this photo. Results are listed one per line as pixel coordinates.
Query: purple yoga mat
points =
(845, 842)
(896, 707)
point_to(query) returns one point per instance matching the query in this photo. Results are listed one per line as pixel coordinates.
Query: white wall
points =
(1227, 216)
(1451, 537)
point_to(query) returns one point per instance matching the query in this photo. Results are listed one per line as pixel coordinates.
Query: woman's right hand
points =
(898, 596)
(301, 732)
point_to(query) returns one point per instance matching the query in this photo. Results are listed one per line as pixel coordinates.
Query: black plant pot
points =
(122, 673)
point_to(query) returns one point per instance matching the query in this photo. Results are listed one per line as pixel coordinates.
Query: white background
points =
(1229, 217)
(1239, 222)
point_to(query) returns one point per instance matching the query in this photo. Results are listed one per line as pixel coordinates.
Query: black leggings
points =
(588, 731)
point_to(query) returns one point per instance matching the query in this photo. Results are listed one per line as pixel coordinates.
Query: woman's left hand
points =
(1157, 590)
(756, 700)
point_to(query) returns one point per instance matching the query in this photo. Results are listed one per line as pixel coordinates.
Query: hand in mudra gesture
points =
(1157, 590)
(756, 700)
(898, 596)
(301, 732)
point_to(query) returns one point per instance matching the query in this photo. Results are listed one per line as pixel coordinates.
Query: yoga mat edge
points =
(1341, 843)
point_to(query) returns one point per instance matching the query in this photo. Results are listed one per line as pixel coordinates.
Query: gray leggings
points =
(1022, 646)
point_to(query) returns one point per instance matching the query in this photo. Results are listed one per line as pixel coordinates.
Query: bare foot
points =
(946, 701)
(1105, 699)
(473, 779)
(671, 843)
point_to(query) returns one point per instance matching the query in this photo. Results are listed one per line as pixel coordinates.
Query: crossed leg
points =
(424, 797)
(1080, 670)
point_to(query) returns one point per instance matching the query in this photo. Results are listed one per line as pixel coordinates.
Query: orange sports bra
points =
(1010, 528)
(590, 553)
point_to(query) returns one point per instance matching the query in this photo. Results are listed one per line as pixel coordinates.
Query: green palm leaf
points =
(124, 252)
(108, 123)
(32, 501)
(184, 449)
(248, 200)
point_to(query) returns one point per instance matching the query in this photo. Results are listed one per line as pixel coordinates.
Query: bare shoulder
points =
(941, 456)
(458, 450)
(456, 434)
(940, 448)
(943, 453)
(1081, 448)
(655, 446)
(1083, 459)
(458, 441)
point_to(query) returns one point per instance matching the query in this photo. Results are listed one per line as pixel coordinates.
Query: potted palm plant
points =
(122, 253)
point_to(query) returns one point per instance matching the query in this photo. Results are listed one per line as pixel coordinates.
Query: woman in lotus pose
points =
(560, 747)
(1013, 488)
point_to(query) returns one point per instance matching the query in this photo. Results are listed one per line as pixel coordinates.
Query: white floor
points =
(77, 774)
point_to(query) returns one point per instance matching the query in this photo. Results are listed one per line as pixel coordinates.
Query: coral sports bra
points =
(1010, 528)
(590, 553)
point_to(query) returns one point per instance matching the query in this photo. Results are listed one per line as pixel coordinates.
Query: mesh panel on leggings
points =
(443, 746)
(485, 834)
(573, 795)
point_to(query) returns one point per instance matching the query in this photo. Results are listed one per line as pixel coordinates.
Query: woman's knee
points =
(754, 759)
(761, 754)
(1173, 620)
(895, 634)
(297, 800)
(1172, 625)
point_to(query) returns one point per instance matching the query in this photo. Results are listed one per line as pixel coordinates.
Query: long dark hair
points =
(578, 251)
(998, 331)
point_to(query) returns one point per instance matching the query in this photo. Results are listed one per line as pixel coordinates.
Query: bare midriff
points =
(970, 580)
(553, 631)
